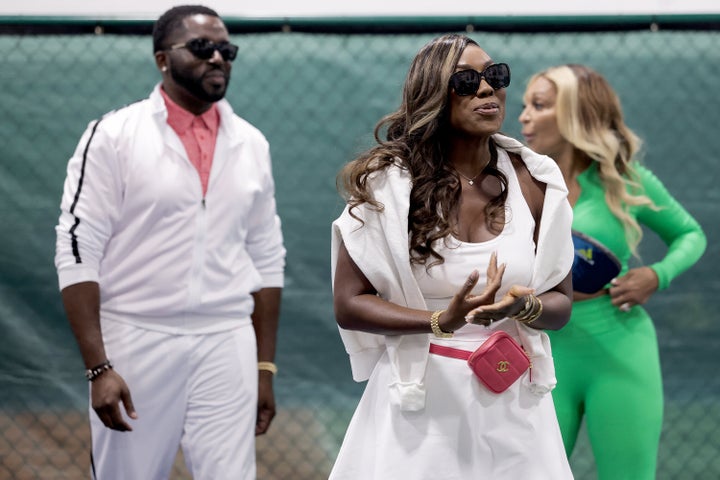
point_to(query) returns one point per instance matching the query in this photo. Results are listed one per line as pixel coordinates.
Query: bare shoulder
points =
(532, 189)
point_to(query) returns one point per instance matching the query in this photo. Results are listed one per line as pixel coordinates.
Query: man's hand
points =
(107, 392)
(266, 403)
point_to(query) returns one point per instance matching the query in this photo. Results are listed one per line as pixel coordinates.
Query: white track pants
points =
(197, 391)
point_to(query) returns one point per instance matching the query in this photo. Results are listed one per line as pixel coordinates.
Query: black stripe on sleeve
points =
(73, 237)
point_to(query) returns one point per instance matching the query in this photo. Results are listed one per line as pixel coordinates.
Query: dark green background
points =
(317, 98)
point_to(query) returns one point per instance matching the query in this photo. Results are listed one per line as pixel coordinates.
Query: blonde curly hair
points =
(590, 117)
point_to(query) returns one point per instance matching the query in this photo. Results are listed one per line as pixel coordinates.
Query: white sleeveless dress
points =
(465, 431)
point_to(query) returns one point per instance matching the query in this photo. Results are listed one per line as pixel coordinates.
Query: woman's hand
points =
(464, 301)
(511, 304)
(633, 288)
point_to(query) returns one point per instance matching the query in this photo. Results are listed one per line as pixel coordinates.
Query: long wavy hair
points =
(589, 116)
(416, 138)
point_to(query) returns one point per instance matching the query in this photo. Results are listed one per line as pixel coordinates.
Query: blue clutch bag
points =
(594, 265)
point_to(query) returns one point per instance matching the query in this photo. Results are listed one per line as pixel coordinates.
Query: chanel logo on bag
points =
(503, 366)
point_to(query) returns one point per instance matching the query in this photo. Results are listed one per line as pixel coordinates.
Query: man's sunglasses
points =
(204, 49)
(467, 82)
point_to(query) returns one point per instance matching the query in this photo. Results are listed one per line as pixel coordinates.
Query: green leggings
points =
(608, 369)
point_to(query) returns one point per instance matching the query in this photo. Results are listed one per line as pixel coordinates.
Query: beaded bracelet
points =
(92, 373)
(435, 325)
(268, 367)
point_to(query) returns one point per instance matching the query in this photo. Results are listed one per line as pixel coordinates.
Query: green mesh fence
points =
(317, 96)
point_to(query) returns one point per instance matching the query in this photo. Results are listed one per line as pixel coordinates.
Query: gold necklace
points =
(471, 181)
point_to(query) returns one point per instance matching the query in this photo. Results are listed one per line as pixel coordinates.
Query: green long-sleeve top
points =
(681, 233)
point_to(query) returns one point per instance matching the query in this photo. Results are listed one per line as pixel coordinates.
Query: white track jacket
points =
(133, 218)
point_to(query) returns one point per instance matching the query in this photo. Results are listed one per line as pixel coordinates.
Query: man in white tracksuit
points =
(170, 260)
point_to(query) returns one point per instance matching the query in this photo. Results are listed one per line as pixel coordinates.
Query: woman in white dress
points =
(451, 232)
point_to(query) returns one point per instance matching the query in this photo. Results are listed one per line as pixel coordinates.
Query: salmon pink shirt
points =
(197, 134)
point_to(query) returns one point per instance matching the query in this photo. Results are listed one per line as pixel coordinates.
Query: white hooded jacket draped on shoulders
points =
(379, 247)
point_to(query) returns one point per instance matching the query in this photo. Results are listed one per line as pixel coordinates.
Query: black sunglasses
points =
(204, 49)
(467, 82)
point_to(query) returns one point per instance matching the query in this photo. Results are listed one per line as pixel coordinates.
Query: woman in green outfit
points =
(606, 357)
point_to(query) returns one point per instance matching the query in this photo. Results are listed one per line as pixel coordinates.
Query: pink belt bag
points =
(498, 362)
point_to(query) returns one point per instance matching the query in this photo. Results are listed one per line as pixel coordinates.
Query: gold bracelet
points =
(535, 315)
(527, 309)
(532, 313)
(435, 325)
(268, 367)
